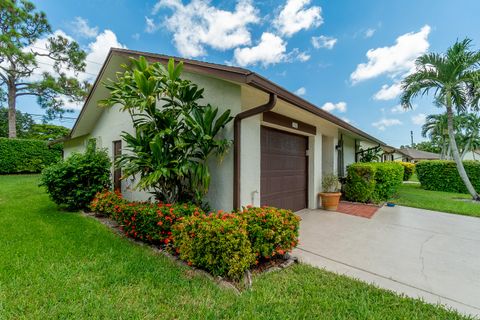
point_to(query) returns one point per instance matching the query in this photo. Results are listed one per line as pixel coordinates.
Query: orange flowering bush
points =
(217, 243)
(150, 222)
(104, 202)
(271, 231)
(225, 244)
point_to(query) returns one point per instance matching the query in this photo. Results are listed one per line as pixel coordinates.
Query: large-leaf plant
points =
(175, 132)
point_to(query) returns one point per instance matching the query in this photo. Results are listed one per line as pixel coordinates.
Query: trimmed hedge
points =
(408, 169)
(225, 244)
(27, 156)
(218, 243)
(442, 175)
(373, 181)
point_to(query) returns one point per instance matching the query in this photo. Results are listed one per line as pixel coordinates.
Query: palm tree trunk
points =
(12, 112)
(456, 156)
(465, 150)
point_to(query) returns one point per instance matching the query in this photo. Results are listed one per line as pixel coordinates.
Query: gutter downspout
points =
(237, 130)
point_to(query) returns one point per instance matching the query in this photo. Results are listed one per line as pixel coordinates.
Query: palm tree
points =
(435, 128)
(454, 78)
(472, 133)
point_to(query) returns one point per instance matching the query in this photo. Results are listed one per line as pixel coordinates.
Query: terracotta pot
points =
(330, 200)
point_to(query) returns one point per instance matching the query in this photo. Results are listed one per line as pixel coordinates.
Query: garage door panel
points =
(283, 169)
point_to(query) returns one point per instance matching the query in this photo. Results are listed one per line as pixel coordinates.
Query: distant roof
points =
(419, 154)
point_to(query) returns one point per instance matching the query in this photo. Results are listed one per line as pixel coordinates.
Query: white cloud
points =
(383, 123)
(96, 50)
(324, 42)
(270, 50)
(330, 107)
(198, 24)
(303, 57)
(394, 60)
(301, 91)
(294, 17)
(419, 119)
(370, 32)
(150, 26)
(82, 28)
(388, 92)
(398, 109)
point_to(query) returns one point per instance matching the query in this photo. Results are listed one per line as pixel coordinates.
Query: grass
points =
(412, 195)
(55, 264)
(414, 178)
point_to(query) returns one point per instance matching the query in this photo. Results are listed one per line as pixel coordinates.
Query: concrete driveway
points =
(421, 253)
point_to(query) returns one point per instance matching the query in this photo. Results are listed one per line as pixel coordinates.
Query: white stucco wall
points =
(472, 156)
(112, 122)
(348, 152)
(74, 145)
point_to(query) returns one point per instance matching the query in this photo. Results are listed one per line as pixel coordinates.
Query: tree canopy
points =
(22, 60)
(454, 79)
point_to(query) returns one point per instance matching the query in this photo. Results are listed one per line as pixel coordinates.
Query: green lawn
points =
(412, 195)
(64, 265)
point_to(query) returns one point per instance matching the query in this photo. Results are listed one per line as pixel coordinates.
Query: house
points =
(472, 155)
(283, 144)
(414, 155)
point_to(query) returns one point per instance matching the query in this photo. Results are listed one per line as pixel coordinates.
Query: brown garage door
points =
(284, 175)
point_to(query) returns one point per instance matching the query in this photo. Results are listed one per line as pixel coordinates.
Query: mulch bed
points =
(358, 209)
(264, 266)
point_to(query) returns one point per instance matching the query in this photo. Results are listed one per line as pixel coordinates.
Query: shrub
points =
(360, 184)
(442, 175)
(73, 183)
(27, 156)
(217, 243)
(408, 169)
(270, 230)
(373, 182)
(142, 220)
(105, 202)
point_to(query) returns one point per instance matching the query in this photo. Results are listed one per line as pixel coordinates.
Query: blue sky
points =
(315, 48)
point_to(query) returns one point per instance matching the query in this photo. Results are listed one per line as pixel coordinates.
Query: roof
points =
(419, 154)
(235, 74)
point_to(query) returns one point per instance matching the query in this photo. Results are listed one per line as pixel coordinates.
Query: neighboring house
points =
(283, 144)
(413, 155)
(472, 155)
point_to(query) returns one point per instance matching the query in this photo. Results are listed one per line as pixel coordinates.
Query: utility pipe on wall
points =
(237, 132)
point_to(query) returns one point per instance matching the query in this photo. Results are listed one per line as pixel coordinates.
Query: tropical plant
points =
(454, 77)
(21, 28)
(471, 136)
(370, 155)
(175, 134)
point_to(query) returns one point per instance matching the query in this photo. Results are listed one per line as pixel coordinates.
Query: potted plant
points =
(330, 195)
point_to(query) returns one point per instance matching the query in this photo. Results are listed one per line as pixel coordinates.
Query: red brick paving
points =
(357, 209)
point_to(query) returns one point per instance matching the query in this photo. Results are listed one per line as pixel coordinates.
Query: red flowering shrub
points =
(104, 202)
(225, 244)
(217, 243)
(142, 220)
(271, 231)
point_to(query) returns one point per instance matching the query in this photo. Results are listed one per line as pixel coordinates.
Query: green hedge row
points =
(373, 181)
(27, 156)
(442, 175)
